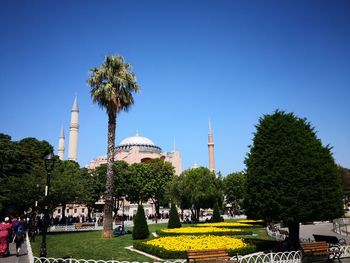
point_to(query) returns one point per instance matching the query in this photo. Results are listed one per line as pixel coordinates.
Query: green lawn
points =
(90, 245)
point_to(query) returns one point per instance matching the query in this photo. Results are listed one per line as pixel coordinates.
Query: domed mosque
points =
(138, 149)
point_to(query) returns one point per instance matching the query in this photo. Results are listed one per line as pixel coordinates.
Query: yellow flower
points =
(248, 221)
(188, 242)
(202, 230)
(225, 224)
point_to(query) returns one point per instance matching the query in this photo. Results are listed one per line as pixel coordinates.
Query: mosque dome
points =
(143, 143)
(136, 140)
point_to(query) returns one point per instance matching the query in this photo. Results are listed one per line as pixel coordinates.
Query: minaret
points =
(176, 160)
(73, 132)
(211, 149)
(60, 152)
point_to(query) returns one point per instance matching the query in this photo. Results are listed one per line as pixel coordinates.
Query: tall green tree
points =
(234, 189)
(345, 175)
(160, 174)
(67, 185)
(21, 168)
(94, 185)
(178, 193)
(138, 175)
(112, 87)
(291, 176)
(121, 181)
(197, 188)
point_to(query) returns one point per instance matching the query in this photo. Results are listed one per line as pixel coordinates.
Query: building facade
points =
(137, 149)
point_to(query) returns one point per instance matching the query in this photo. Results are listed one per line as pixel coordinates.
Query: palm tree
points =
(112, 85)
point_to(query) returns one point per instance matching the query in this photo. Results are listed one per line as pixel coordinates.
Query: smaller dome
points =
(136, 140)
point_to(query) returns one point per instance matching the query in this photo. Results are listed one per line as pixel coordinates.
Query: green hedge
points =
(262, 244)
(167, 254)
(159, 252)
(233, 233)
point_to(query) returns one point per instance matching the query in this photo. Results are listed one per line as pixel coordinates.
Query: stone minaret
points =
(73, 132)
(60, 152)
(211, 149)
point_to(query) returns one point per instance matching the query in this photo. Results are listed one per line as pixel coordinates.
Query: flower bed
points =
(253, 222)
(226, 224)
(202, 230)
(172, 247)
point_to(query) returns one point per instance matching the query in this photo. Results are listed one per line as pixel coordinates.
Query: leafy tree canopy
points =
(197, 188)
(234, 189)
(21, 169)
(290, 175)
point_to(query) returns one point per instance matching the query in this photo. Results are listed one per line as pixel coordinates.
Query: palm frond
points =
(113, 84)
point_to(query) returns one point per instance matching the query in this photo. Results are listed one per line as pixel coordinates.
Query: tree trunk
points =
(108, 207)
(198, 210)
(157, 205)
(293, 228)
(89, 213)
(64, 213)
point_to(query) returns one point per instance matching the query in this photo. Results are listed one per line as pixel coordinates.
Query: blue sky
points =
(230, 61)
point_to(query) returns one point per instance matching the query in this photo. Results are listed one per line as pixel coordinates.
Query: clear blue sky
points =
(230, 61)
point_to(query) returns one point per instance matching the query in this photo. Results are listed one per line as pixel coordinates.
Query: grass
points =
(90, 245)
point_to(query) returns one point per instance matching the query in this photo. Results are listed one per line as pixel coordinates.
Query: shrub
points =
(216, 214)
(174, 220)
(140, 230)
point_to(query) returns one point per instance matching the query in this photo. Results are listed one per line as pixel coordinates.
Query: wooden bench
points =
(210, 255)
(316, 250)
(333, 240)
(83, 225)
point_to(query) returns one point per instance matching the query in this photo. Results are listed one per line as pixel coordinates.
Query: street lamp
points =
(32, 221)
(49, 165)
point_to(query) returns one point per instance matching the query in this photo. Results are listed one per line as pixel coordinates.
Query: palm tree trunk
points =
(108, 208)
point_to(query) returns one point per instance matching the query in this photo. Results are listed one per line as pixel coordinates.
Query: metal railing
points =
(341, 226)
(280, 257)
(260, 257)
(73, 228)
(72, 260)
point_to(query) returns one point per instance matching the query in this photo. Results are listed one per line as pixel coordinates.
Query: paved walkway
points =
(23, 255)
(320, 228)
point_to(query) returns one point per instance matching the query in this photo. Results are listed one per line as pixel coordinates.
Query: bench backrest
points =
(314, 247)
(205, 255)
(328, 239)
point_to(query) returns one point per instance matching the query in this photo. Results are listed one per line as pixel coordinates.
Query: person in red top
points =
(5, 228)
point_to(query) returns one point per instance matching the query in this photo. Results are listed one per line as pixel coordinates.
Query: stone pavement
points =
(320, 228)
(23, 255)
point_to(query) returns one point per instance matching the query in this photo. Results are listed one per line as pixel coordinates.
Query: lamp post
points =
(32, 222)
(49, 165)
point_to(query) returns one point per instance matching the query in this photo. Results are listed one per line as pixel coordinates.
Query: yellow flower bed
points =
(202, 230)
(226, 224)
(188, 242)
(248, 221)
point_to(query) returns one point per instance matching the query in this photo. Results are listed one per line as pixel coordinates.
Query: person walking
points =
(19, 231)
(5, 228)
